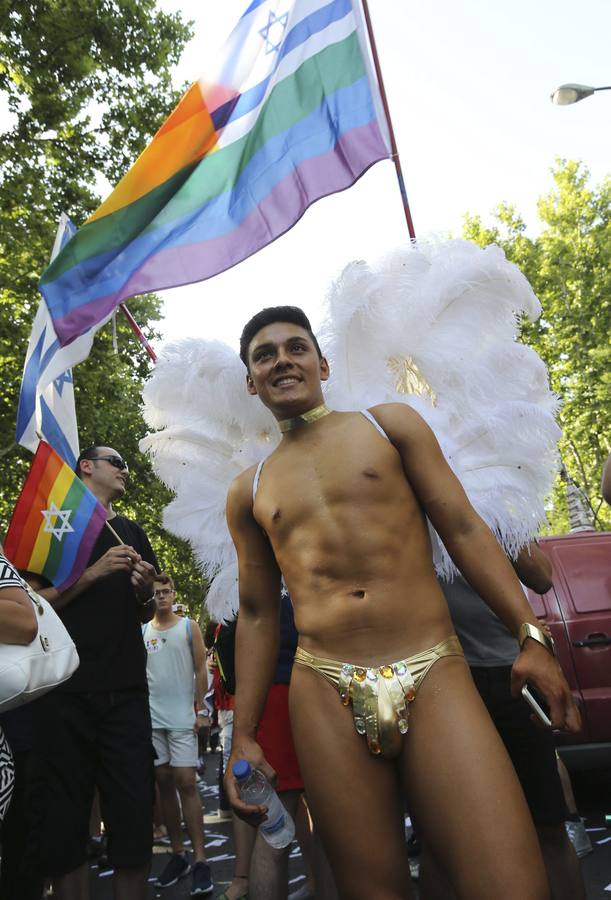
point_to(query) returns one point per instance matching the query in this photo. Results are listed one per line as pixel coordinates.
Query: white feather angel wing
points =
(437, 328)
(208, 431)
(432, 327)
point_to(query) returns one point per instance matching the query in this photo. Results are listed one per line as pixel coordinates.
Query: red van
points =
(578, 612)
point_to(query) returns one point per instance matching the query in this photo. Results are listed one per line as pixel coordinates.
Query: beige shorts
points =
(178, 748)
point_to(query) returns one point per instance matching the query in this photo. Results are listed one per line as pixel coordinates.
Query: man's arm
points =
(476, 552)
(18, 623)
(257, 635)
(533, 568)
(143, 572)
(199, 665)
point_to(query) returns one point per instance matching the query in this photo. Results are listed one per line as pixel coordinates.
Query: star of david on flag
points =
(55, 523)
(273, 32)
(51, 517)
(46, 400)
(290, 112)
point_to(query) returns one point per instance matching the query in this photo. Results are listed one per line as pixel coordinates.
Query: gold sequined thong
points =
(380, 694)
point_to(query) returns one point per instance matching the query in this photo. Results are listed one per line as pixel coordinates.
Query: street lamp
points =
(573, 93)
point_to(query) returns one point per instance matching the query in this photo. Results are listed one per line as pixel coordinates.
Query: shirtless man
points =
(339, 509)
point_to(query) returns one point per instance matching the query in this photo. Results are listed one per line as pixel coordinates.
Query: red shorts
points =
(276, 739)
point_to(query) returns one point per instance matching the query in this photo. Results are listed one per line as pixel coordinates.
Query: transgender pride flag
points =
(292, 114)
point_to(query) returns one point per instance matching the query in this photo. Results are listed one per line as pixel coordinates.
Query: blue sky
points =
(468, 85)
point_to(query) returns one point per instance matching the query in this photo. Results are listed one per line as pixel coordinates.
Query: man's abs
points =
(352, 543)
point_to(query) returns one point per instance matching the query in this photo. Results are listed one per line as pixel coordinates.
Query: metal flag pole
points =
(138, 332)
(393, 144)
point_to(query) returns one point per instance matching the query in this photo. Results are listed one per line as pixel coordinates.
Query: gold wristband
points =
(531, 631)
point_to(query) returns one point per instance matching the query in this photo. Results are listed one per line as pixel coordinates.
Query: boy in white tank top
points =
(178, 682)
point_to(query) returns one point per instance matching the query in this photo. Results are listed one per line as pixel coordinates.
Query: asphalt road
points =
(592, 790)
(219, 851)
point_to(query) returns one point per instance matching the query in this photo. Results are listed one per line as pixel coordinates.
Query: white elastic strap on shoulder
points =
(255, 484)
(370, 418)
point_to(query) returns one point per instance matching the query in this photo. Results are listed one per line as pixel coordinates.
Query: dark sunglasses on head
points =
(115, 461)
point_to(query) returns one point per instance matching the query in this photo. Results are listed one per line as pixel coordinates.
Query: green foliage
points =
(569, 267)
(87, 83)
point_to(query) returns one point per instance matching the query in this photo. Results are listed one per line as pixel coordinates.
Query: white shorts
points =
(178, 748)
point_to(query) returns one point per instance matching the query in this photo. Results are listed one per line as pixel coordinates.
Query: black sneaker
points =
(202, 880)
(177, 867)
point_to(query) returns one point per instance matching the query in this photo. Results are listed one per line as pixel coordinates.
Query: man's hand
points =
(248, 749)
(117, 559)
(201, 721)
(142, 578)
(536, 665)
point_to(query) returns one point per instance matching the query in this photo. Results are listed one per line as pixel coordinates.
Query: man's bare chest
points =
(318, 482)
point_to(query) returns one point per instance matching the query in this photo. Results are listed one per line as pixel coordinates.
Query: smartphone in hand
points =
(536, 702)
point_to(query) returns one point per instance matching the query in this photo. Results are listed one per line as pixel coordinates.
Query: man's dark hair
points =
(267, 317)
(89, 453)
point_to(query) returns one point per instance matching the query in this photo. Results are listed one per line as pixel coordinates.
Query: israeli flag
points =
(46, 402)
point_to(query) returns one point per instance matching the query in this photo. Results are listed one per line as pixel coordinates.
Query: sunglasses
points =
(116, 461)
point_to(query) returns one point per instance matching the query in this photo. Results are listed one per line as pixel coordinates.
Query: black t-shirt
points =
(105, 621)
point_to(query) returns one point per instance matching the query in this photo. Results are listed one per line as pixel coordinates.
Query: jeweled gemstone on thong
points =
(409, 696)
(402, 725)
(347, 669)
(386, 671)
(374, 746)
(359, 724)
(400, 668)
(345, 697)
(371, 675)
(360, 674)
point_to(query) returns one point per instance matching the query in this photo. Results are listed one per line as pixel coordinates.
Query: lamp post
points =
(573, 93)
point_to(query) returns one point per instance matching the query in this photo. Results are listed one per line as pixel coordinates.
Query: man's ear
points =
(324, 369)
(250, 386)
(86, 467)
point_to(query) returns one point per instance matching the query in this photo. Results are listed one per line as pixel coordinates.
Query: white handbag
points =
(27, 672)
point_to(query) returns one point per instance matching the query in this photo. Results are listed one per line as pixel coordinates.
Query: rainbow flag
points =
(291, 115)
(55, 523)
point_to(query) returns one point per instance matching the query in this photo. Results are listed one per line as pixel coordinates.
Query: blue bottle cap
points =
(241, 769)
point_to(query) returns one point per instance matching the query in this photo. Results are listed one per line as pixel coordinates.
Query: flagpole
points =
(138, 332)
(111, 529)
(393, 144)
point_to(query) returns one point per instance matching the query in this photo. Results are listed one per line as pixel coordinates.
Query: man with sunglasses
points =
(98, 730)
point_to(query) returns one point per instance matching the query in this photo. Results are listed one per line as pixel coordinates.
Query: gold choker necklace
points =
(312, 415)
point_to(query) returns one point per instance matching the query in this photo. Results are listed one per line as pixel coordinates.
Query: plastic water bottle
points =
(278, 829)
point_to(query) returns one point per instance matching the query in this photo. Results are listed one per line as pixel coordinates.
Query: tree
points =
(86, 83)
(569, 267)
